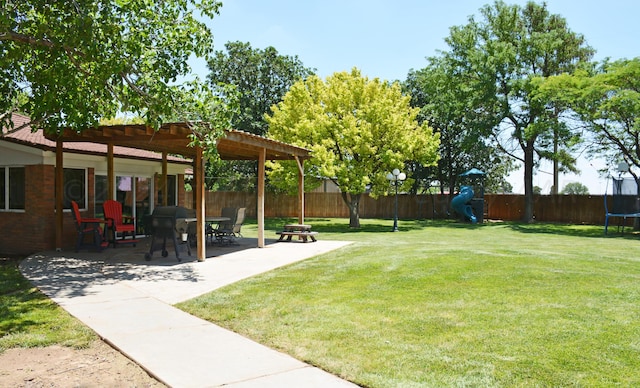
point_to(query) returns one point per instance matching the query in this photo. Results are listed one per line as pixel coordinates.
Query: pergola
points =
(174, 138)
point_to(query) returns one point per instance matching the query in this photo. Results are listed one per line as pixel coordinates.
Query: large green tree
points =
(358, 128)
(496, 58)
(443, 104)
(260, 79)
(605, 100)
(575, 188)
(71, 63)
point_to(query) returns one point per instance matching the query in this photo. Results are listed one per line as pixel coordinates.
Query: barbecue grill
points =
(168, 222)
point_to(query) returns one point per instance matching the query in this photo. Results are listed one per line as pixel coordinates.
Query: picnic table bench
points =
(302, 231)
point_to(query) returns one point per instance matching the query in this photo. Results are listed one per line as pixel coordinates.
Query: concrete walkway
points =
(128, 302)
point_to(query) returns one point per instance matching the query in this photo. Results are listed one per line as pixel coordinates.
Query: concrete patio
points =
(128, 302)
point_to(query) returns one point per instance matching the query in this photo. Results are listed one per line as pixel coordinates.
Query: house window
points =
(75, 187)
(101, 194)
(12, 188)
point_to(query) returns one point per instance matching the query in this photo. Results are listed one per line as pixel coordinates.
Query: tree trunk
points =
(452, 186)
(527, 216)
(556, 164)
(353, 203)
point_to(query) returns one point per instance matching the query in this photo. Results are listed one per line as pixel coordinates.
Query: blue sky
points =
(386, 39)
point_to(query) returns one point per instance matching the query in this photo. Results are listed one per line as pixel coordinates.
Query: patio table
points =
(209, 220)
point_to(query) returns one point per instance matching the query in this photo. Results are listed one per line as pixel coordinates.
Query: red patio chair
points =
(88, 227)
(118, 224)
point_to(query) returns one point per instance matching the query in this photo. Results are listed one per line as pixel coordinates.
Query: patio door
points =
(143, 203)
(134, 193)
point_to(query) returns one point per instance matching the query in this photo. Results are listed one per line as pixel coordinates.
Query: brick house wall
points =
(33, 230)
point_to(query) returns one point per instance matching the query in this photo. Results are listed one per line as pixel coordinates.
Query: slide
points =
(459, 203)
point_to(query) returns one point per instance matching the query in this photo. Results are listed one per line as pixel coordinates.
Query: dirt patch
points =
(100, 365)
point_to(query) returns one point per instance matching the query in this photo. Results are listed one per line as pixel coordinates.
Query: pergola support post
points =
(200, 210)
(111, 179)
(261, 171)
(300, 164)
(59, 192)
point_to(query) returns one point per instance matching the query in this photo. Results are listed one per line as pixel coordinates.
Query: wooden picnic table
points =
(303, 232)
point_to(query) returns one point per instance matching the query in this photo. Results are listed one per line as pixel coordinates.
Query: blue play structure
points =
(460, 203)
(469, 203)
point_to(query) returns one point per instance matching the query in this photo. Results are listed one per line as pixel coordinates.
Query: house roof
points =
(37, 139)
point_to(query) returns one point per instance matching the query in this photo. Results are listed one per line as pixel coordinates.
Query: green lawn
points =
(29, 319)
(450, 304)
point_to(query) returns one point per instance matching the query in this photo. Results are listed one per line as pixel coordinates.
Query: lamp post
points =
(395, 178)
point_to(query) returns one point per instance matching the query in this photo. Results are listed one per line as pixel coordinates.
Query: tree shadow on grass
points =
(18, 299)
(332, 225)
(341, 225)
(366, 228)
(593, 231)
(577, 230)
(450, 223)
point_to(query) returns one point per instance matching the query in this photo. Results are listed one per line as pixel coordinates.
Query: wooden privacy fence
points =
(576, 209)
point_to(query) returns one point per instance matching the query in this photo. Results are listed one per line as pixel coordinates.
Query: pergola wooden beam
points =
(170, 138)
